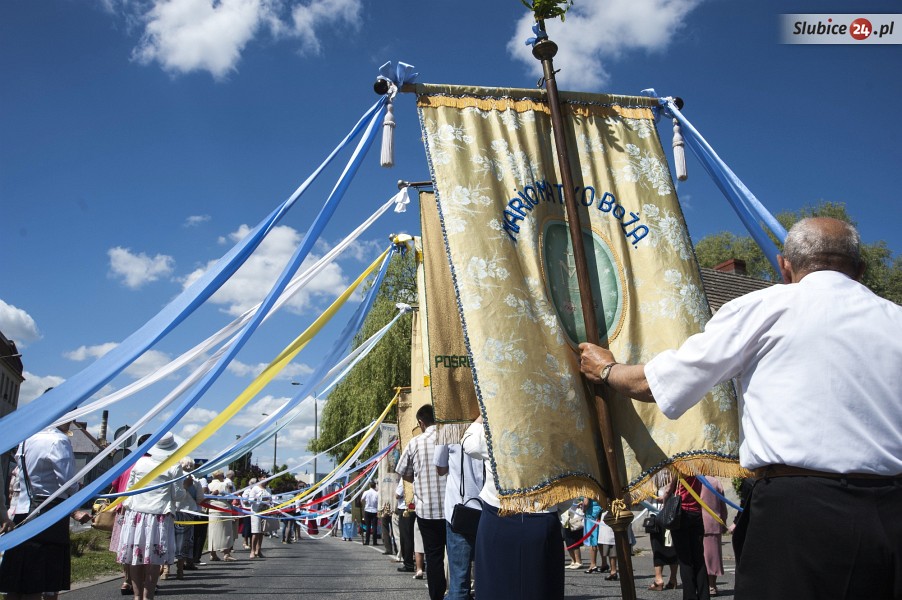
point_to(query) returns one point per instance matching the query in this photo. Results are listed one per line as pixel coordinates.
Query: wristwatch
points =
(606, 371)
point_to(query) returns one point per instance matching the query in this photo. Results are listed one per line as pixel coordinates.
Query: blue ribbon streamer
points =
(260, 434)
(748, 208)
(49, 407)
(716, 493)
(47, 518)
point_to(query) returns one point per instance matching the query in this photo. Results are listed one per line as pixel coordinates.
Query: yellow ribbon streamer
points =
(273, 369)
(699, 500)
(364, 439)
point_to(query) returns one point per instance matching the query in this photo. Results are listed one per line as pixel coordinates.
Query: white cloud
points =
(195, 220)
(183, 36)
(137, 269)
(17, 325)
(291, 371)
(83, 353)
(599, 33)
(250, 284)
(199, 35)
(35, 385)
(252, 415)
(145, 364)
(318, 14)
(189, 430)
(199, 415)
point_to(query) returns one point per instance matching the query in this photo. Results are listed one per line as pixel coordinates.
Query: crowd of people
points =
(841, 443)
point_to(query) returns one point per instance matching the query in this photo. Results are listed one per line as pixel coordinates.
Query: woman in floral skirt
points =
(147, 536)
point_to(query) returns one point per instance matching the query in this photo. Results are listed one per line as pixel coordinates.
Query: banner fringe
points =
(562, 490)
(714, 466)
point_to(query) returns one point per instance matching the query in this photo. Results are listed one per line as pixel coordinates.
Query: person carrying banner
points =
(817, 363)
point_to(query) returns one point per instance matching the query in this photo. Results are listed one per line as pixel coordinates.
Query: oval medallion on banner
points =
(605, 276)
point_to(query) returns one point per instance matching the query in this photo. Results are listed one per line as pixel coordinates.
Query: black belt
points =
(788, 471)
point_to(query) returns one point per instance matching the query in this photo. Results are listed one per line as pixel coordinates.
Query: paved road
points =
(333, 569)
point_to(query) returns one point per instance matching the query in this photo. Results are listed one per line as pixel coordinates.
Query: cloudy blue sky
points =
(140, 138)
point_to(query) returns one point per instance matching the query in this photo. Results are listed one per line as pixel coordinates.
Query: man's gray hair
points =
(823, 244)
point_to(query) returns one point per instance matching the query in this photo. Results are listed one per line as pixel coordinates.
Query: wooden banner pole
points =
(620, 518)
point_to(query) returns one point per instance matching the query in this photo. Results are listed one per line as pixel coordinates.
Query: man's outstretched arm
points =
(599, 366)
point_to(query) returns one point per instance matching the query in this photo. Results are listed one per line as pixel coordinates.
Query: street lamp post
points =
(315, 431)
(275, 449)
(315, 427)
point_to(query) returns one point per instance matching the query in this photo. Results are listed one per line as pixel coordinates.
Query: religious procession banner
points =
(450, 377)
(412, 399)
(500, 203)
(388, 478)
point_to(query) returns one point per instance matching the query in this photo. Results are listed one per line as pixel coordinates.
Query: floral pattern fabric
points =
(146, 539)
(500, 202)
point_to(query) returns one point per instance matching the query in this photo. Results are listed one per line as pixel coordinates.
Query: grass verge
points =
(91, 556)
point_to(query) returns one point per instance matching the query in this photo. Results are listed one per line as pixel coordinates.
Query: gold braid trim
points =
(528, 105)
(562, 490)
(704, 465)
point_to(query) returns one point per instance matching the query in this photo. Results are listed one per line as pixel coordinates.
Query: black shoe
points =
(604, 569)
(405, 569)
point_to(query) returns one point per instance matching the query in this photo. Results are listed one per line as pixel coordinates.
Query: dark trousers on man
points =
(688, 541)
(388, 534)
(369, 521)
(405, 537)
(817, 537)
(433, 532)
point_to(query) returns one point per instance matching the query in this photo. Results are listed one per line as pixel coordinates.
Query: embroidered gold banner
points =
(500, 205)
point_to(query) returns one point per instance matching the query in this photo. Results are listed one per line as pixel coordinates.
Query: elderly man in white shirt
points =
(41, 565)
(370, 500)
(819, 367)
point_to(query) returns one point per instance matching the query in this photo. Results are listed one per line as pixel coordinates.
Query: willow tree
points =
(883, 274)
(365, 391)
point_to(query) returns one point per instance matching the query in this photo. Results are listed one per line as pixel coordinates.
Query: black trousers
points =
(433, 532)
(817, 537)
(387, 537)
(689, 542)
(405, 536)
(200, 538)
(369, 520)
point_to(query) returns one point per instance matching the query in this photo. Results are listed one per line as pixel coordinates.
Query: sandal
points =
(612, 577)
(657, 587)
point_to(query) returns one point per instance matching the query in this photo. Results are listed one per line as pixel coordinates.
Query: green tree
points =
(883, 274)
(363, 394)
(283, 483)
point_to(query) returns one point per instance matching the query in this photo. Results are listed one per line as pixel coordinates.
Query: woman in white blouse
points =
(147, 537)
